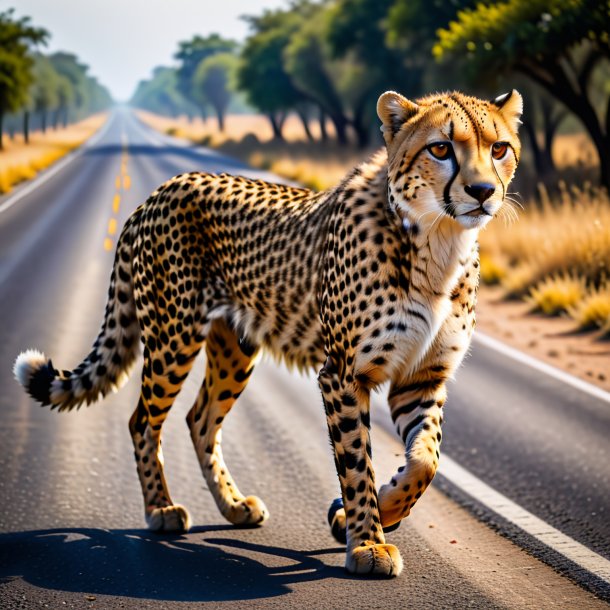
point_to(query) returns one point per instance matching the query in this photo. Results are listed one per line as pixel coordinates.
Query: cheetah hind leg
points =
(159, 388)
(230, 364)
(336, 520)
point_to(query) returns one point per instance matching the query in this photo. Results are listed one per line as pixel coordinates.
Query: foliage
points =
(16, 62)
(213, 82)
(556, 43)
(160, 94)
(262, 73)
(190, 54)
(45, 89)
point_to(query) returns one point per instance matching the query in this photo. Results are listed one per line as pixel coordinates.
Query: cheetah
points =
(372, 281)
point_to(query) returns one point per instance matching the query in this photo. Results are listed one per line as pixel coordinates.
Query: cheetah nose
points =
(480, 192)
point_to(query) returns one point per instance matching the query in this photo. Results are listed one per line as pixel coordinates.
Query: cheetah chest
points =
(406, 326)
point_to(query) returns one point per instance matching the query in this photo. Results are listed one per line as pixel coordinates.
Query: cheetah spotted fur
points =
(372, 281)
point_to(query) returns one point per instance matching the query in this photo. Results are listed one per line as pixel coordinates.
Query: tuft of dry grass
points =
(571, 234)
(20, 161)
(557, 255)
(593, 311)
(557, 294)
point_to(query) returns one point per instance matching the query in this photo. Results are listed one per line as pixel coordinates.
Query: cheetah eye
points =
(498, 150)
(440, 150)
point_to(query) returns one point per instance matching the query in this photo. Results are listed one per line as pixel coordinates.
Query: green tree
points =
(160, 94)
(556, 43)
(190, 54)
(411, 32)
(65, 99)
(68, 66)
(45, 90)
(16, 62)
(213, 83)
(261, 73)
(308, 61)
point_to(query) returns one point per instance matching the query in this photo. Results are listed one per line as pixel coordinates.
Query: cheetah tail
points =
(109, 363)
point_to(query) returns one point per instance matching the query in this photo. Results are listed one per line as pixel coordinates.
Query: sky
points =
(123, 40)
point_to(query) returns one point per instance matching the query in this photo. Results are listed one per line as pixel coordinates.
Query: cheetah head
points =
(450, 156)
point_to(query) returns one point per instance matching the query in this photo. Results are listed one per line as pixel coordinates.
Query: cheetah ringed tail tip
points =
(29, 366)
(108, 364)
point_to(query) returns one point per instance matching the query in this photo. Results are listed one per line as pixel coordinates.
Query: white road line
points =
(529, 523)
(57, 167)
(543, 367)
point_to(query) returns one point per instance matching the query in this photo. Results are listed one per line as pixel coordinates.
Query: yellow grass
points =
(555, 250)
(20, 161)
(317, 165)
(594, 310)
(237, 126)
(557, 294)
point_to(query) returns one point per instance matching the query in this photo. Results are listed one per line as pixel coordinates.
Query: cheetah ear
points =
(510, 106)
(394, 110)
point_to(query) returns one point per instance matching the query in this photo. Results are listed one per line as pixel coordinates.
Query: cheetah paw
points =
(173, 518)
(371, 558)
(249, 512)
(337, 522)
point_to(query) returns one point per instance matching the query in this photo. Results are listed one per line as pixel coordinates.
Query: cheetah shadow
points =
(139, 564)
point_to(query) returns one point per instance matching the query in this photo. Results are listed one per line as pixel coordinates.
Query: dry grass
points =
(317, 165)
(20, 161)
(558, 253)
(237, 127)
(593, 311)
(557, 294)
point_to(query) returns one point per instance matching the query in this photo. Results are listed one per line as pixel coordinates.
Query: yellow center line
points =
(124, 180)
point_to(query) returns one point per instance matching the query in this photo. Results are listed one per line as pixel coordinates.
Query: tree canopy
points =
(556, 43)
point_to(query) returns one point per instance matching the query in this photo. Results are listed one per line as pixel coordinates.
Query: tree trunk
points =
(340, 124)
(221, 119)
(557, 83)
(43, 121)
(305, 123)
(1, 130)
(363, 133)
(276, 126)
(322, 120)
(26, 126)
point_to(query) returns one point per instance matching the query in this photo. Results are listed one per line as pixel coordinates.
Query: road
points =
(71, 525)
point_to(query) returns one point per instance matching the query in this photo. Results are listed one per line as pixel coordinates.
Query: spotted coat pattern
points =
(372, 281)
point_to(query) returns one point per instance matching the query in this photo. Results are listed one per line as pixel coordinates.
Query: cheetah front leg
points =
(347, 413)
(416, 407)
(416, 403)
(229, 366)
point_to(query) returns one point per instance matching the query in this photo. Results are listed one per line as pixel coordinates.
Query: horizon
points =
(114, 22)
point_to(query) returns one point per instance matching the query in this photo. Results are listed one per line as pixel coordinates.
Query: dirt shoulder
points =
(553, 340)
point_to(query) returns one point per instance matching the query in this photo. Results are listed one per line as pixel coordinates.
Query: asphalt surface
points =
(71, 516)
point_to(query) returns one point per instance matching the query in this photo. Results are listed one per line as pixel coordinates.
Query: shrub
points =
(557, 294)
